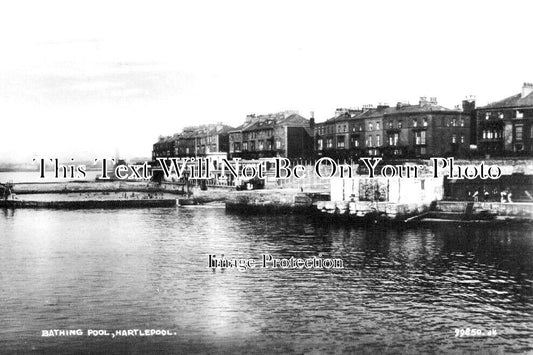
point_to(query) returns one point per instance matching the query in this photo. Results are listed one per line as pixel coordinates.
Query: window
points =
(369, 143)
(390, 124)
(462, 122)
(261, 145)
(345, 128)
(420, 137)
(320, 144)
(377, 126)
(400, 124)
(454, 122)
(487, 115)
(236, 146)
(393, 139)
(252, 146)
(245, 146)
(425, 122)
(340, 142)
(370, 126)
(278, 144)
(518, 132)
(329, 143)
(500, 115)
(378, 140)
(415, 122)
(354, 142)
(519, 114)
(462, 138)
(454, 138)
(269, 145)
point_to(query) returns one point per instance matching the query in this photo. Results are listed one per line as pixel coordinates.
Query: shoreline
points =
(108, 194)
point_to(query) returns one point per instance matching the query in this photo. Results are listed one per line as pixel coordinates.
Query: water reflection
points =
(402, 290)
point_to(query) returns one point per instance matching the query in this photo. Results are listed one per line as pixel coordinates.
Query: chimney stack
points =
(469, 104)
(312, 120)
(527, 89)
(423, 101)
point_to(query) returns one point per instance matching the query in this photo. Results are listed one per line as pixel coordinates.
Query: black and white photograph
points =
(266, 177)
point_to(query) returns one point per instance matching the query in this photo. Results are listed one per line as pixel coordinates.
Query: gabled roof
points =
(294, 120)
(512, 101)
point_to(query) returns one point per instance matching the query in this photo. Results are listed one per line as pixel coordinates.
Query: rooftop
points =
(513, 101)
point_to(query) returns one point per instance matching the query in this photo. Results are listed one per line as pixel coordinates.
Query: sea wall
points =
(513, 209)
(269, 201)
(95, 186)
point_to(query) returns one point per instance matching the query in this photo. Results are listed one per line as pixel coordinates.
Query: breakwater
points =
(89, 203)
(94, 186)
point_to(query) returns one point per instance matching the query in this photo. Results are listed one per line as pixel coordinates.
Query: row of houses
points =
(283, 134)
(404, 130)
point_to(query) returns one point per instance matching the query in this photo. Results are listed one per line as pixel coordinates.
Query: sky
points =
(87, 79)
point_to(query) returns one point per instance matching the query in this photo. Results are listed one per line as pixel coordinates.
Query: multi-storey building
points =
(213, 138)
(426, 129)
(341, 136)
(284, 134)
(164, 147)
(505, 127)
(405, 130)
(186, 146)
(194, 141)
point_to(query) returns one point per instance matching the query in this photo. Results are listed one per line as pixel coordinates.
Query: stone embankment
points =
(95, 186)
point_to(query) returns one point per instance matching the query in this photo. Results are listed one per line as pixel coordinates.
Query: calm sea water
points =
(402, 291)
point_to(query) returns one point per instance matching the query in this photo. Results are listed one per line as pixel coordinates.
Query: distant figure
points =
(503, 196)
